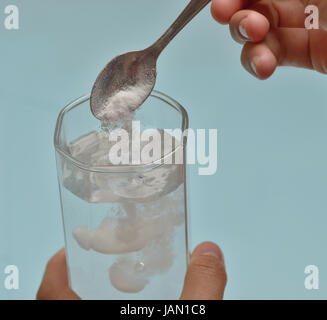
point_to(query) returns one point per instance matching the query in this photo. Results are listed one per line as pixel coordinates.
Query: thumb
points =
(54, 284)
(206, 275)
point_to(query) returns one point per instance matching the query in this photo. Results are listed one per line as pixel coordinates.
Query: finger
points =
(280, 13)
(248, 25)
(206, 276)
(261, 59)
(55, 285)
(281, 47)
(223, 10)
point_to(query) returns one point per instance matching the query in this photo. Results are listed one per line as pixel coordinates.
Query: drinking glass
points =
(125, 225)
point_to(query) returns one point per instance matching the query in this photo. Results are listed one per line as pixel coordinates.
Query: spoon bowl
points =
(127, 81)
(132, 71)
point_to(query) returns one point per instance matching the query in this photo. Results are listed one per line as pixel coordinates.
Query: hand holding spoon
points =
(126, 82)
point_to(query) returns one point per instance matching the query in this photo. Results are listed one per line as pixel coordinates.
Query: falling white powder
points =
(95, 187)
(133, 232)
(123, 278)
(141, 235)
(123, 103)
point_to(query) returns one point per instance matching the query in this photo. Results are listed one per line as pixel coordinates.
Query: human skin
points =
(273, 33)
(205, 278)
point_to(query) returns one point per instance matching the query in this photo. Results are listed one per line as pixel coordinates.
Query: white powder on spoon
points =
(123, 103)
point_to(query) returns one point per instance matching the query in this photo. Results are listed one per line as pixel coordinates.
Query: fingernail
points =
(216, 254)
(211, 253)
(209, 249)
(254, 64)
(242, 29)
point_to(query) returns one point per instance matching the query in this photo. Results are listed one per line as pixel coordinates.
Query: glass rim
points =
(122, 168)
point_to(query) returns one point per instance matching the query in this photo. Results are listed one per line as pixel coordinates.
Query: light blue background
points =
(266, 206)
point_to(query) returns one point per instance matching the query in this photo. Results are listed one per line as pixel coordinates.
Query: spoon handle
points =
(192, 9)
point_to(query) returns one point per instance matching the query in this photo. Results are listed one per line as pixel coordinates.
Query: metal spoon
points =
(137, 68)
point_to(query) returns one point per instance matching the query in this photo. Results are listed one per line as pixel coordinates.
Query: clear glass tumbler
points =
(125, 226)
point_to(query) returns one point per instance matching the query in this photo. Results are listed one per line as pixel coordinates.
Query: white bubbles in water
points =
(139, 267)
